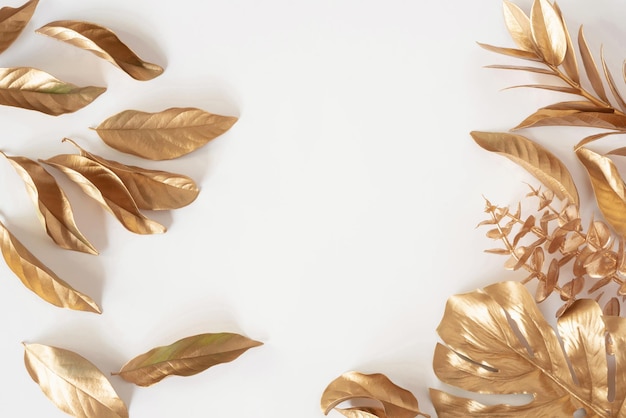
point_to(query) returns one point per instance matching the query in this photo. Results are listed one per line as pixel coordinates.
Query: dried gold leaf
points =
(611, 81)
(34, 89)
(185, 357)
(595, 137)
(546, 287)
(105, 187)
(364, 412)
(103, 43)
(611, 308)
(517, 53)
(548, 32)
(569, 63)
(560, 89)
(150, 189)
(590, 66)
(13, 21)
(518, 25)
(396, 401)
(72, 383)
(486, 353)
(536, 70)
(541, 163)
(40, 279)
(550, 117)
(580, 105)
(53, 208)
(164, 135)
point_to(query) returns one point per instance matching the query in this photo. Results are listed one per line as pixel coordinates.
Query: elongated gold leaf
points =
(151, 189)
(536, 70)
(595, 137)
(517, 53)
(611, 82)
(34, 89)
(590, 66)
(550, 117)
(560, 89)
(39, 278)
(53, 208)
(185, 357)
(497, 342)
(396, 401)
(569, 63)
(538, 161)
(72, 383)
(103, 43)
(518, 25)
(163, 135)
(365, 412)
(608, 186)
(13, 21)
(548, 32)
(105, 187)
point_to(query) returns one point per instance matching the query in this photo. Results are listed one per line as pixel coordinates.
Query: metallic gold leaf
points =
(551, 117)
(103, 43)
(33, 89)
(13, 21)
(497, 342)
(163, 135)
(517, 53)
(590, 66)
(611, 308)
(538, 161)
(40, 279)
(53, 208)
(608, 186)
(151, 189)
(560, 89)
(569, 63)
(105, 187)
(548, 32)
(185, 357)
(396, 401)
(518, 25)
(536, 70)
(72, 383)
(365, 412)
(611, 81)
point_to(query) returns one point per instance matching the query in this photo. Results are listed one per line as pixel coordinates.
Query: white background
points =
(334, 219)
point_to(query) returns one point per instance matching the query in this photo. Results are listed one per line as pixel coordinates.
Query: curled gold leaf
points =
(150, 189)
(53, 208)
(538, 161)
(518, 25)
(185, 357)
(396, 401)
(39, 278)
(105, 187)
(103, 43)
(33, 89)
(13, 21)
(548, 32)
(163, 135)
(72, 383)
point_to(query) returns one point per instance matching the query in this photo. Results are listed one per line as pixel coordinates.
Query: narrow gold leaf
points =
(595, 137)
(521, 68)
(548, 32)
(34, 89)
(550, 117)
(611, 81)
(53, 208)
(569, 63)
(518, 25)
(103, 43)
(580, 105)
(560, 89)
(590, 66)
(40, 279)
(72, 383)
(163, 135)
(13, 21)
(364, 412)
(538, 161)
(185, 357)
(517, 53)
(105, 187)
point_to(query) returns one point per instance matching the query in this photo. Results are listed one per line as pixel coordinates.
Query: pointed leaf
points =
(536, 70)
(518, 25)
(72, 383)
(611, 81)
(560, 89)
(185, 357)
(103, 43)
(548, 32)
(580, 105)
(13, 21)
(595, 137)
(541, 163)
(590, 66)
(611, 308)
(549, 117)
(164, 135)
(364, 412)
(569, 63)
(517, 53)
(40, 279)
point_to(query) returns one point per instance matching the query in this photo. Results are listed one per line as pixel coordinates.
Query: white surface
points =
(335, 218)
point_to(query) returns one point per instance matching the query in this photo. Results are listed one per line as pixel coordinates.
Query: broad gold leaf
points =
(13, 21)
(538, 161)
(590, 67)
(548, 32)
(185, 357)
(72, 383)
(103, 43)
(566, 117)
(518, 25)
(497, 342)
(33, 89)
(105, 187)
(39, 278)
(53, 208)
(608, 186)
(396, 401)
(163, 135)
(151, 189)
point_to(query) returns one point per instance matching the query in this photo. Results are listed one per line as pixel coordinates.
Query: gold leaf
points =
(521, 68)
(560, 89)
(590, 66)
(612, 307)
(608, 187)
(546, 287)
(396, 401)
(150, 189)
(53, 208)
(548, 32)
(549, 117)
(541, 163)
(517, 53)
(364, 412)
(40, 279)
(72, 383)
(105, 187)
(595, 137)
(611, 81)
(569, 63)
(185, 357)
(580, 105)
(518, 26)
(164, 135)
(13, 21)
(497, 342)
(103, 43)
(33, 89)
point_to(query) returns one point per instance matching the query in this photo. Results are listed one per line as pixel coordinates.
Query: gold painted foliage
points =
(13, 21)
(495, 341)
